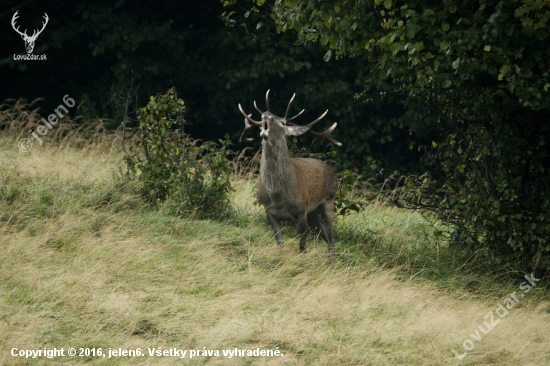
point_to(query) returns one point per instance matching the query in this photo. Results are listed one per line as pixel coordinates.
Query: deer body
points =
(292, 189)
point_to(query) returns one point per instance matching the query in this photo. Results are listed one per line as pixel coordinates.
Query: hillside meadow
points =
(87, 264)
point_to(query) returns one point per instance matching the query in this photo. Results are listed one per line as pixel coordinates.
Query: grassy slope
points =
(85, 263)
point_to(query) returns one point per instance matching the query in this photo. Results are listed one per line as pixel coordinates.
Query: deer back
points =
(315, 181)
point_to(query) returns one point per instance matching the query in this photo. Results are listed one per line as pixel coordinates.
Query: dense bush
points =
(494, 189)
(192, 175)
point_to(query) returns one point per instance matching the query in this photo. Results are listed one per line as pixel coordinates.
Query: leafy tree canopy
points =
(487, 52)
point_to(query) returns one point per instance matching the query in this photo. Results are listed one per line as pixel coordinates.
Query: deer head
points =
(278, 127)
(29, 40)
(299, 190)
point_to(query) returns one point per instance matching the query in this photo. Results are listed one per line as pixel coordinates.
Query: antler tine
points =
(296, 116)
(267, 101)
(256, 123)
(327, 134)
(247, 126)
(289, 103)
(258, 109)
(318, 119)
(288, 110)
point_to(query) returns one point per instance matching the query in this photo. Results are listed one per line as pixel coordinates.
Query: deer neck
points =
(276, 172)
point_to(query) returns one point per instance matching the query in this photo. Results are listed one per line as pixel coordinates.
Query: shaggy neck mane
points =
(275, 167)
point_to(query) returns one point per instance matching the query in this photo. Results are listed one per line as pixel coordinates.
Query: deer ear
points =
(296, 130)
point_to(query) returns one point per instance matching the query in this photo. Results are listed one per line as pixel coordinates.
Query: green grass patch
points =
(87, 263)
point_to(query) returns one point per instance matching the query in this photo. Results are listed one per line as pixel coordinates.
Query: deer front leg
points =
(276, 224)
(302, 231)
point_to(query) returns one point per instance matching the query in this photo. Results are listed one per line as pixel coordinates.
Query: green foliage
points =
(494, 197)
(446, 46)
(477, 71)
(345, 202)
(193, 176)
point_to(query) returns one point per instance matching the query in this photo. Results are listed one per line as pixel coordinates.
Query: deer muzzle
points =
(264, 128)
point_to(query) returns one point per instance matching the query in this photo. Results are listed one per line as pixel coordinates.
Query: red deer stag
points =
(298, 190)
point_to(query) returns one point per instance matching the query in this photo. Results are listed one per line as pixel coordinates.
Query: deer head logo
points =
(29, 40)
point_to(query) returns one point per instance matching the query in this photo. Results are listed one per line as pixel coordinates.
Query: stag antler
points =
(247, 117)
(288, 109)
(325, 134)
(247, 125)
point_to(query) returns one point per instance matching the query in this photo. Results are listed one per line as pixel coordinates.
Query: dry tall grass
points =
(86, 264)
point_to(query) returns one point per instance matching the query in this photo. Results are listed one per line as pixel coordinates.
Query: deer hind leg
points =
(322, 221)
(316, 222)
(302, 231)
(276, 224)
(329, 229)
